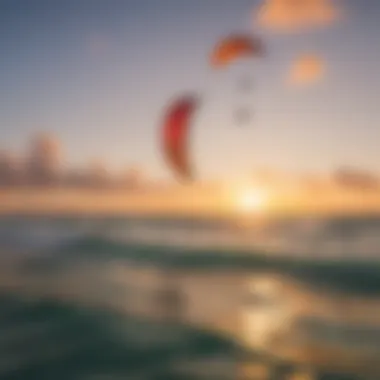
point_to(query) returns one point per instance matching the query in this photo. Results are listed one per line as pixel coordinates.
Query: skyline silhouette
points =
(43, 164)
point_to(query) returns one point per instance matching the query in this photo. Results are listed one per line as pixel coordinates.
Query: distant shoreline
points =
(160, 202)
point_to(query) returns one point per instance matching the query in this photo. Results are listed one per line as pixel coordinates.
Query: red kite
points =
(176, 127)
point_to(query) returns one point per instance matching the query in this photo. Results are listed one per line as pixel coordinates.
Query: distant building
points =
(43, 164)
(9, 169)
(74, 179)
(133, 178)
(97, 175)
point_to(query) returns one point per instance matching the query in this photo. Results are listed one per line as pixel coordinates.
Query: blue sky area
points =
(98, 74)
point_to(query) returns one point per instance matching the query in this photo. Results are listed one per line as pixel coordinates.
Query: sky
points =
(99, 75)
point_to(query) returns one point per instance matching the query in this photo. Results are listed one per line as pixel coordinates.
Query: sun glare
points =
(251, 201)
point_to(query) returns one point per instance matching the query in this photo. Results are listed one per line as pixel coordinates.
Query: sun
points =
(251, 201)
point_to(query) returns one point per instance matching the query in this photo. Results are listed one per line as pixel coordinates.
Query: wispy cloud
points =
(344, 178)
(356, 179)
(296, 15)
(306, 70)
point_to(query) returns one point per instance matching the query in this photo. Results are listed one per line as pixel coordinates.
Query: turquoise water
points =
(56, 340)
(77, 294)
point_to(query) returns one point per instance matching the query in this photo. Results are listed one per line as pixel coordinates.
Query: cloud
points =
(341, 179)
(355, 179)
(296, 15)
(306, 70)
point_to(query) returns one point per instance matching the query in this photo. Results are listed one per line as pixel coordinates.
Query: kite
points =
(235, 47)
(176, 127)
(231, 49)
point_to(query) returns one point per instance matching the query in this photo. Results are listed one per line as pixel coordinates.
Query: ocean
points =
(174, 298)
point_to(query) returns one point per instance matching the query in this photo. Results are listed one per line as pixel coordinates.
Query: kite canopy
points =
(234, 47)
(177, 123)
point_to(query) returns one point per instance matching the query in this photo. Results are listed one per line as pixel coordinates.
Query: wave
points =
(345, 238)
(361, 277)
(75, 341)
(294, 247)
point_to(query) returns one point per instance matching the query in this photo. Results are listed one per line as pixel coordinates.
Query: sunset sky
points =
(99, 74)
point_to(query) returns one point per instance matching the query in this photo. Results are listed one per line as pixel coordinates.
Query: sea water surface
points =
(149, 298)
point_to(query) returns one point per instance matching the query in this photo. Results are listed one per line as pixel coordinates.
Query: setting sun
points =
(251, 200)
